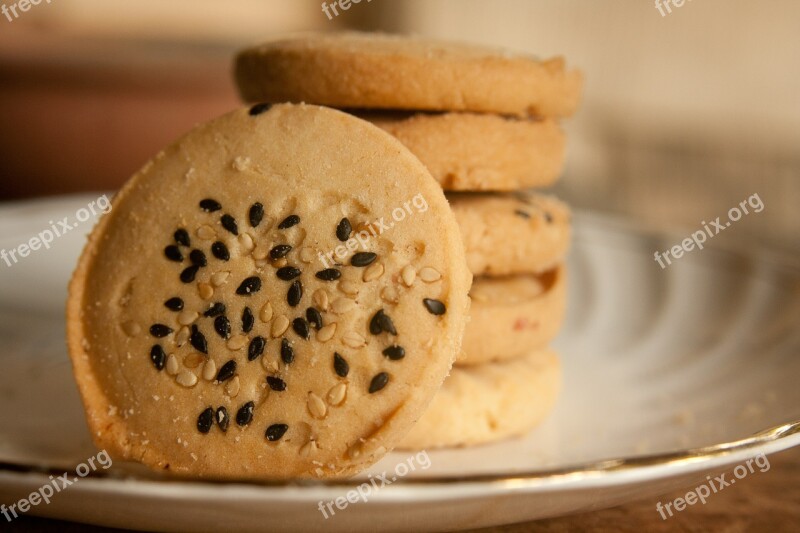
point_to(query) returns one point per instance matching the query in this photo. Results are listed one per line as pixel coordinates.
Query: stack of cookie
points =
(485, 124)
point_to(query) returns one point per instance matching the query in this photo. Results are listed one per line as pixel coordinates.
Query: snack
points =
(490, 402)
(512, 315)
(474, 152)
(518, 233)
(210, 339)
(379, 71)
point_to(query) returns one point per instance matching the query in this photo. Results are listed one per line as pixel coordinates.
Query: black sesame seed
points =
(256, 348)
(160, 330)
(256, 214)
(279, 251)
(395, 353)
(205, 420)
(229, 223)
(188, 275)
(182, 237)
(258, 109)
(245, 414)
(220, 251)
(340, 366)
(435, 307)
(222, 326)
(288, 222)
(198, 340)
(210, 205)
(378, 382)
(381, 322)
(343, 230)
(276, 384)
(215, 310)
(248, 320)
(314, 317)
(362, 259)
(249, 286)
(522, 214)
(174, 304)
(173, 253)
(295, 293)
(198, 258)
(227, 371)
(329, 274)
(287, 353)
(158, 357)
(223, 420)
(276, 432)
(300, 326)
(288, 273)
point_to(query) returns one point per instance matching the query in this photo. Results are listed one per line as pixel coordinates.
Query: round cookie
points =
(487, 403)
(474, 152)
(380, 71)
(512, 315)
(209, 338)
(505, 234)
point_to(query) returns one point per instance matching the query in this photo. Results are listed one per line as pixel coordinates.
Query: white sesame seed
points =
(232, 387)
(373, 272)
(337, 394)
(342, 305)
(350, 288)
(187, 317)
(409, 274)
(206, 291)
(172, 365)
(429, 275)
(266, 312)
(182, 337)
(246, 242)
(206, 232)
(279, 326)
(353, 339)
(321, 299)
(316, 406)
(237, 342)
(326, 332)
(209, 370)
(220, 278)
(186, 379)
(192, 360)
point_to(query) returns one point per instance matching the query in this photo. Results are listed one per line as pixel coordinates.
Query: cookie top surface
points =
(378, 71)
(240, 312)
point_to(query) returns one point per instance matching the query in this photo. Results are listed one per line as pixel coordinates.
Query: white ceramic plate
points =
(669, 374)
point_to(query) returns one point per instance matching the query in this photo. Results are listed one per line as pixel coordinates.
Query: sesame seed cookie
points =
(490, 402)
(512, 315)
(215, 333)
(479, 152)
(379, 71)
(518, 233)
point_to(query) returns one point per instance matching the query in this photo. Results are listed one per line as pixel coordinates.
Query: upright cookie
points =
(239, 313)
(474, 152)
(379, 71)
(505, 234)
(512, 315)
(490, 402)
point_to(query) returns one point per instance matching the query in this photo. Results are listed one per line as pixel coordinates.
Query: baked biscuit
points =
(475, 152)
(520, 233)
(208, 336)
(512, 315)
(487, 403)
(380, 71)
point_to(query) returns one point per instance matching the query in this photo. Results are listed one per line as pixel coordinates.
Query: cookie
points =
(518, 233)
(239, 313)
(487, 403)
(474, 152)
(512, 315)
(379, 71)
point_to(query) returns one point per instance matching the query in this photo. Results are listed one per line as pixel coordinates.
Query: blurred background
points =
(684, 115)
